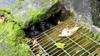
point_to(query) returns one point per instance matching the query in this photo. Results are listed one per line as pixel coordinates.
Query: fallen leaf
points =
(59, 45)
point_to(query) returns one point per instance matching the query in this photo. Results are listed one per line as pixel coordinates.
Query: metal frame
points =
(47, 42)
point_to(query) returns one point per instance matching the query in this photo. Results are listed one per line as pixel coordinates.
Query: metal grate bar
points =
(44, 42)
(74, 47)
(81, 50)
(32, 54)
(80, 46)
(43, 49)
(34, 48)
(47, 44)
(84, 34)
(69, 43)
(90, 38)
(48, 38)
(55, 42)
(77, 44)
(59, 51)
(40, 40)
(56, 51)
(76, 40)
(61, 54)
(90, 49)
(50, 48)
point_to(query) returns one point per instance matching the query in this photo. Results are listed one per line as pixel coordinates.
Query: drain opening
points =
(53, 20)
(37, 28)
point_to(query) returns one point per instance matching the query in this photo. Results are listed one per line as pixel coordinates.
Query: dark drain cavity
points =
(37, 28)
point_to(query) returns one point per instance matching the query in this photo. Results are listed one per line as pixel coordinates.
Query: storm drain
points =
(82, 43)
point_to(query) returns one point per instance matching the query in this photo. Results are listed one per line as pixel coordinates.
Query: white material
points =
(68, 32)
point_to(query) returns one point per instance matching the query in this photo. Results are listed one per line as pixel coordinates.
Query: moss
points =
(39, 14)
(36, 15)
(11, 35)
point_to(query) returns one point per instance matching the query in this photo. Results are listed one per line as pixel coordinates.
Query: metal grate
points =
(82, 43)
